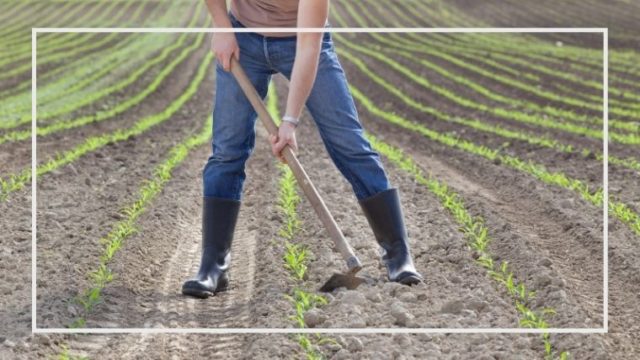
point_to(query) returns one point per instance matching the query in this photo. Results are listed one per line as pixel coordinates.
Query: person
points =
(317, 80)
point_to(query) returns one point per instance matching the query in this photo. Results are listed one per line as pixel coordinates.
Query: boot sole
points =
(410, 280)
(201, 293)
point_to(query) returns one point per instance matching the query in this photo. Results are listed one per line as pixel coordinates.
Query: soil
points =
(550, 237)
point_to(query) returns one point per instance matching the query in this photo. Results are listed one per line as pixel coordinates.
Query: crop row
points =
(130, 102)
(120, 107)
(87, 98)
(479, 125)
(629, 139)
(558, 113)
(20, 35)
(398, 42)
(478, 238)
(17, 181)
(624, 60)
(90, 75)
(477, 45)
(618, 96)
(506, 49)
(296, 256)
(496, 14)
(17, 29)
(123, 229)
(108, 40)
(377, 53)
(514, 44)
(19, 94)
(617, 209)
(473, 85)
(90, 98)
(13, 13)
(21, 51)
(476, 124)
(580, 15)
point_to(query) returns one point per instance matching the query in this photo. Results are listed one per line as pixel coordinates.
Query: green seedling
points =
(311, 351)
(296, 257)
(303, 302)
(65, 355)
(507, 114)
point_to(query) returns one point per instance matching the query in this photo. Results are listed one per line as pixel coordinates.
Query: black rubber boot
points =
(384, 213)
(219, 217)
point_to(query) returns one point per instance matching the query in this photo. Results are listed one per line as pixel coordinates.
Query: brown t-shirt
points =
(266, 13)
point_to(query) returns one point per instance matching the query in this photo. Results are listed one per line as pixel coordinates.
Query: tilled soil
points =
(553, 249)
(464, 294)
(551, 239)
(78, 204)
(154, 263)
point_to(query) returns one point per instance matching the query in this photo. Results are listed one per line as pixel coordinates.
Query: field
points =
(495, 142)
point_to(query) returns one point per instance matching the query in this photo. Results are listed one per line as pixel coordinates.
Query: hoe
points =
(348, 278)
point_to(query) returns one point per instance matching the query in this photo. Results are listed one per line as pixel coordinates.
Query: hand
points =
(286, 136)
(224, 46)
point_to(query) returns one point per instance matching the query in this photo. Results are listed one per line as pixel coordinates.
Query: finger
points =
(280, 145)
(225, 61)
(273, 139)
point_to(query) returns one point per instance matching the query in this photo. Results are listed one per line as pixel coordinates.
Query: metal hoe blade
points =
(348, 281)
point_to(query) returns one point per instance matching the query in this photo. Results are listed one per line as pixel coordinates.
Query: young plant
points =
(65, 355)
(304, 301)
(296, 257)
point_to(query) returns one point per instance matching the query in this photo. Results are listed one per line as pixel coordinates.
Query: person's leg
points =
(224, 175)
(233, 130)
(333, 109)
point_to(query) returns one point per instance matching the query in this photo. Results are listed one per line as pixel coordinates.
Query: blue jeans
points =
(330, 104)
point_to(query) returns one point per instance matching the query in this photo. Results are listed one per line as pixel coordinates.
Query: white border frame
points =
(605, 152)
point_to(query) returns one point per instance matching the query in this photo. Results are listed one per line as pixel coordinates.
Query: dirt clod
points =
(353, 297)
(355, 345)
(401, 315)
(314, 317)
(452, 307)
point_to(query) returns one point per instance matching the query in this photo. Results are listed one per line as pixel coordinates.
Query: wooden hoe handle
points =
(302, 178)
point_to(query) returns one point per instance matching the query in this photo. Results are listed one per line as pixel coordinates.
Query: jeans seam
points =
(265, 49)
